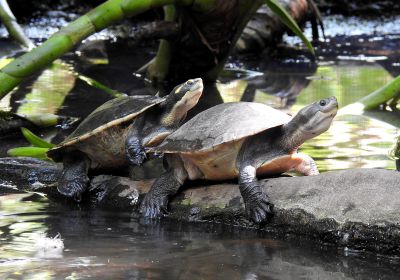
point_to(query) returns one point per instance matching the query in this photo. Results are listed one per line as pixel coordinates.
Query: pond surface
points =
(110, 245)
(113, 245)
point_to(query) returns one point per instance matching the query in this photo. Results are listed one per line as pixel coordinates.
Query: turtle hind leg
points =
(74, 180)
(307, 165)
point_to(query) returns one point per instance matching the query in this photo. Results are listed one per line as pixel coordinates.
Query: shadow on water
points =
(105, 245)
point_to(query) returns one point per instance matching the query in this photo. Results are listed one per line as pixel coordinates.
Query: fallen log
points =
(355, 209)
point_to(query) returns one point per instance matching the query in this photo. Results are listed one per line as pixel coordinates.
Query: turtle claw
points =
(259, 209)
(154, 206)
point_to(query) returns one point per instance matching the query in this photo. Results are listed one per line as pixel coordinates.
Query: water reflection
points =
(114, 245)
(353, 141)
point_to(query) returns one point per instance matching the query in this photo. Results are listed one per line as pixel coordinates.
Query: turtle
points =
(238, 140)
(117, 133)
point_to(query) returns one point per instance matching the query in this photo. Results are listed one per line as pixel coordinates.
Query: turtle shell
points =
(221, 124)
(110, 114)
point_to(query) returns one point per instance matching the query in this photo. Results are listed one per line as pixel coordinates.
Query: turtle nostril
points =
(322, 102)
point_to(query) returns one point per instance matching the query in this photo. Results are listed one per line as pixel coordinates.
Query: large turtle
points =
(117, 132)
(243, 140)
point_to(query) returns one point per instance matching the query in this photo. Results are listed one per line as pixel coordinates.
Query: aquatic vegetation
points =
(39, 149)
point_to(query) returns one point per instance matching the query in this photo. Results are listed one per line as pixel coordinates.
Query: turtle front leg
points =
(74, 180)
(257, 203)
(135, 152)
(307, 165)
(156, 200)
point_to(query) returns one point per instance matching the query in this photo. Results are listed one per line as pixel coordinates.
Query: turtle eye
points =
(190, 82)
(322, 102)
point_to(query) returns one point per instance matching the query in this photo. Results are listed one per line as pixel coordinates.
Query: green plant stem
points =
(100, 86)
(15, 30)
(381, 95)
(35, 152)
(158, 69)
(35, 140)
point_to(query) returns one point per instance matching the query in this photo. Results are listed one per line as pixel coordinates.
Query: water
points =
(353, 141)
(115, 245)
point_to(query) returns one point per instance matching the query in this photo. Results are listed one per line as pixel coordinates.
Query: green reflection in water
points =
(48, 94)
(353, 141)
(348, 83)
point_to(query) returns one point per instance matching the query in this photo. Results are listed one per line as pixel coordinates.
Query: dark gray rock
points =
(29, 174)
(357, 209)
(354, 208)
(113, 192)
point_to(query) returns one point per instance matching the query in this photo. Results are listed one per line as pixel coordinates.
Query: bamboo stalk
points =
(15, 30)
(158, 69)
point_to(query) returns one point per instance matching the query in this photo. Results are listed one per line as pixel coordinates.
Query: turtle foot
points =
(73, 188)
(259, 209)
(154, 206)
(136, 156)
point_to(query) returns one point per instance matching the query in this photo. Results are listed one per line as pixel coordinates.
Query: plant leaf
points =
(35, 140)
(35, 152)
(288, 21)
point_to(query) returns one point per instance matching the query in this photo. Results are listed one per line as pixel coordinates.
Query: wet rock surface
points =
(356, 209)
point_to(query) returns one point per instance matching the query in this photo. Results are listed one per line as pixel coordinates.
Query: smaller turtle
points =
(117, 133)
(239, 139)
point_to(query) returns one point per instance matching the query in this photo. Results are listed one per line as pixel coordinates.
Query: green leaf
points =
(35, 152)
(288, 21)
(35, 140)
(100, 86)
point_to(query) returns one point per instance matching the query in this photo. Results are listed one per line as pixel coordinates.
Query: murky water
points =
(110, 245)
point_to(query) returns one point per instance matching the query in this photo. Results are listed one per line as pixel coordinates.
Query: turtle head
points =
(317, 117)
(181, 99)
(312, 120)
